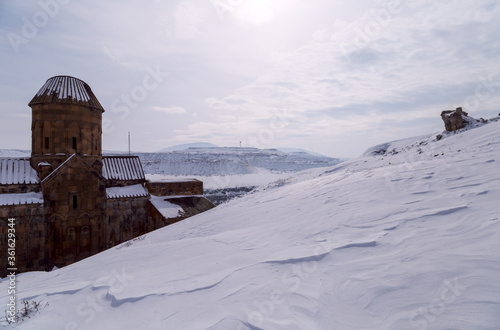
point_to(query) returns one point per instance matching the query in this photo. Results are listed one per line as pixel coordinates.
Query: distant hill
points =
(299, 150)
(188, 145)
(15, 153)
(217, 161)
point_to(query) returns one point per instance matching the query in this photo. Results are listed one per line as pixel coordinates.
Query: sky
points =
(331, 76)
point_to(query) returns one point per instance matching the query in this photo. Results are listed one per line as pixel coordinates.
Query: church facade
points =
(68, 201)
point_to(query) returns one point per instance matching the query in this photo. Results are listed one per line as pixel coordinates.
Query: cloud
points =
(188, 16)
(113, 53)
(346, 74)
(400, 69)
(401, 59)
(170, 110)
(256, 12)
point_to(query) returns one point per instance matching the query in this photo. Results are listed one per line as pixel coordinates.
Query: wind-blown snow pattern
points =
(407, 238)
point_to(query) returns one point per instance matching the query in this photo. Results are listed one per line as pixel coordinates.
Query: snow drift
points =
(406, 238)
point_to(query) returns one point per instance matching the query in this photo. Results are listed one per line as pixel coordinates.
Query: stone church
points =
(68, 200)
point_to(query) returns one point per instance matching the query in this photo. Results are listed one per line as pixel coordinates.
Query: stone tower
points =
(67, 155)
(66, 120)
(68, 201)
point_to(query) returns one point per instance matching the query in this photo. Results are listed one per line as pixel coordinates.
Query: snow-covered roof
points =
(136, 190)
(167, 209)
(66, 89)
(122, 168)
(159, 179)
(21, 198)
(54, 172)
(17, 171)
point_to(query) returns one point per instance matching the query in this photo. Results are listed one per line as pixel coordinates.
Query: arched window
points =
(85, 237)
(85, 231)
(70, 234)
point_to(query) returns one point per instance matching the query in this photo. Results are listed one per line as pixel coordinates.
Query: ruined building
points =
(68, 201)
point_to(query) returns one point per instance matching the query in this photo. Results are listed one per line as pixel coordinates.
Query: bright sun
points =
(255, 11)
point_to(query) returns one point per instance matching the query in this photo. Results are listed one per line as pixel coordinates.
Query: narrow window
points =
(75, 202)
(74, 143)
(70, 233)
(47, 143)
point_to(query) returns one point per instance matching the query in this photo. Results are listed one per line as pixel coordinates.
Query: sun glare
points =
(256, 11)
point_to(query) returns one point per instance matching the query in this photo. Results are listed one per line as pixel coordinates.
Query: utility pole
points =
(129, 143)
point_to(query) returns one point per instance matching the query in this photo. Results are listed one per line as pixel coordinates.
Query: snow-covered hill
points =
(230, 172)
(15, 153)
(188, 145)
(404, 237)
(229, 161)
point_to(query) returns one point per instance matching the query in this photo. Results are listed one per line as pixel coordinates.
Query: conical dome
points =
(66, 89)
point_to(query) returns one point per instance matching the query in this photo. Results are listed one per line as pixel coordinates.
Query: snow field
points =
(406, 239)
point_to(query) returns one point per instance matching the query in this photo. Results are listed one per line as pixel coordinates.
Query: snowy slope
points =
(393, 240)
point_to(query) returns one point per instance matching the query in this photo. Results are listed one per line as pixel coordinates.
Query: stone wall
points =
(45, 240)
(177, 188)
(127, 218)
(454, 119)
(191, 205)
(30, 237)
(19, 188)
(64, 129)
(74, 205)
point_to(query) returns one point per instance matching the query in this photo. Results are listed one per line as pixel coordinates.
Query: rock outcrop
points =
(454, 119)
